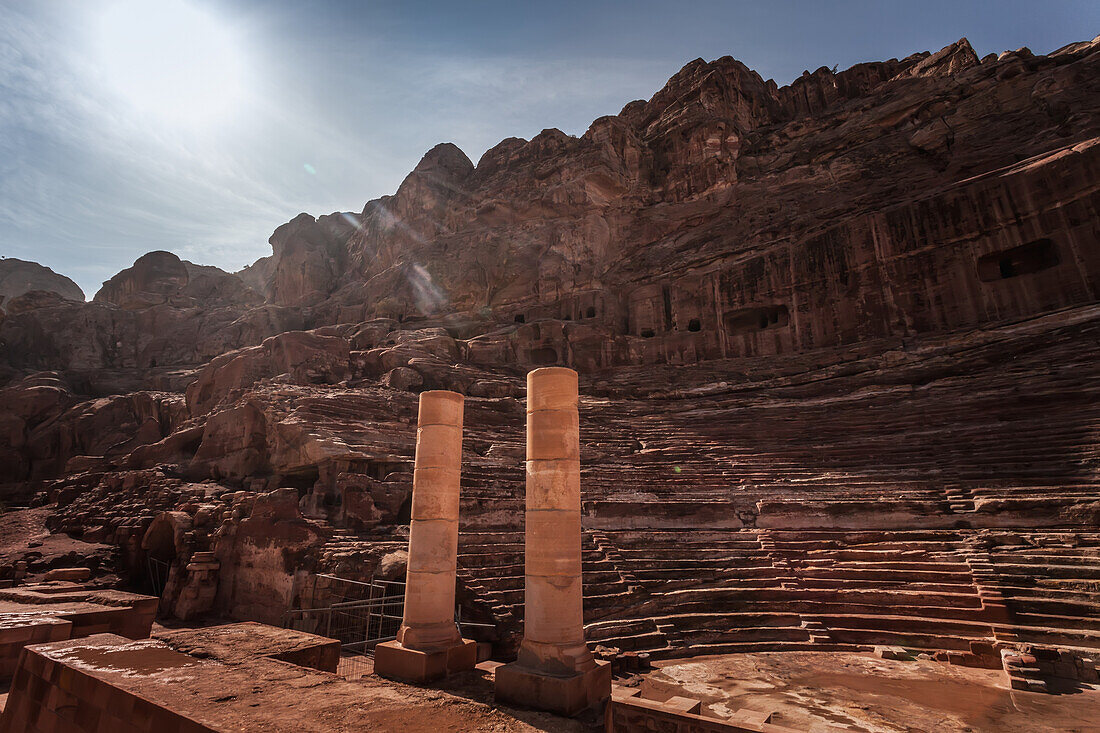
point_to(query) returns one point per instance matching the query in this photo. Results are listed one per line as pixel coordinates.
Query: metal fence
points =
(360, 614)
(158, 574)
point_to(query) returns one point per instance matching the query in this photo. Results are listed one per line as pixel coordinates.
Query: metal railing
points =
(361, 615)
(158, 574)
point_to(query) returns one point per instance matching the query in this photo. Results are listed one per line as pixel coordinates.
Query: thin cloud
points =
(90, 177)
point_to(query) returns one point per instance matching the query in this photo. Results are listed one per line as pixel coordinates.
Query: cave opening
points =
(544, 355)
(1023, 260)
(159, 544)
(748, 320)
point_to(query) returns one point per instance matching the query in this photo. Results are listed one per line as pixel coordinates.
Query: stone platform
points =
(823, 691)
(630, 712)
(229, 679)
(46, 612)
(241, 642)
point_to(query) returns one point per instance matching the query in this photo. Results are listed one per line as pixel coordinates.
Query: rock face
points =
(18, 277)
(161, 312)
(725, 216)
(837, 350)
(159, 278)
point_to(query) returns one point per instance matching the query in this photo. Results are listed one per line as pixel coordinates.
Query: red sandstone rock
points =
(303, 357)
(307, 258)
(19, 277)
(837, 344)
(159, 278)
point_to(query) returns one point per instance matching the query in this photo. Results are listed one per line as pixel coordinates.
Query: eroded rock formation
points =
(837, 352)
(19, 278)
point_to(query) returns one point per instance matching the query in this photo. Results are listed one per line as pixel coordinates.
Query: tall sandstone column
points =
(554, 669)
(429, 644)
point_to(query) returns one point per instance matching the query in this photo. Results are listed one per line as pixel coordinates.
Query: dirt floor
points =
(819, 691)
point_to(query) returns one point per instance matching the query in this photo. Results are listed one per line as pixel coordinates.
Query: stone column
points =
(428, 643)
(554, 669)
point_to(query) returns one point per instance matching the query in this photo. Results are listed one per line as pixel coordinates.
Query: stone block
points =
(564, 695)
(397, 662)
(1046, 654)
(553, 484)
(433, 545)
(896, 653)
(982, 649)
(440, 407)
(429, 598)
(553, 610)
(558, 535)
(438, 446)
(556, 389)
(747, 716)
(77, 575)
(1065, 669)
(678, 704)
(553, 435)
(435, 492)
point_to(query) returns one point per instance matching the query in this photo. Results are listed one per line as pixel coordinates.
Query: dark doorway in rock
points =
(748, 320)
(404, 514)
(694, 325)
(160, 552)
(544, 355)
(591, 312)
(1023, 260)
(647, 333)
(520, 318)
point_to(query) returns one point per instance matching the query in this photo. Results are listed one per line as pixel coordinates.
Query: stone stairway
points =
(782, 504)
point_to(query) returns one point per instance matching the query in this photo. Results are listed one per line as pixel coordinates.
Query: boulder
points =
(303, 356)
(403, 378)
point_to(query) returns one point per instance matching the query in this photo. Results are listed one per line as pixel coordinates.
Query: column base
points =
(396, 662)
(569, 695)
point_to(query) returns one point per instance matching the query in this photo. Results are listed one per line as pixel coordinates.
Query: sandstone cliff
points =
(18, 277)
(724, 216)
(862, 305)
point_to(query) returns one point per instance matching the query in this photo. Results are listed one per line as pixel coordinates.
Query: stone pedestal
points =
(393, 660)
(429, 644)
(566, 695)
(554, 669)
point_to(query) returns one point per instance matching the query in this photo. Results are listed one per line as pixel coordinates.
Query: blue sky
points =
(198, 126)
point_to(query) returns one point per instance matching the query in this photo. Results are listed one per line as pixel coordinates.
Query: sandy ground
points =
(820, 691)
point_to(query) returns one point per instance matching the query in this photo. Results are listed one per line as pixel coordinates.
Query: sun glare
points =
(174, 60)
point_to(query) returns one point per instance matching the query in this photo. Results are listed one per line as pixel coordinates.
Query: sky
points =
(199, 126)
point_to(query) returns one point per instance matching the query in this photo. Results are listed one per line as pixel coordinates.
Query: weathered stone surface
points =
(19, 277)
(45, 426)
(837, 353)
(303, 357)
(308, 256)
(159, 278)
